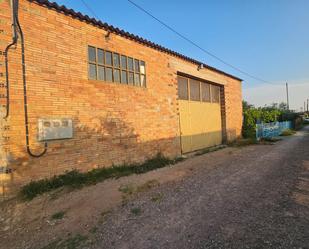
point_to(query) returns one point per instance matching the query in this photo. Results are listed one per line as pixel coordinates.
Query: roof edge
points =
(78, 15)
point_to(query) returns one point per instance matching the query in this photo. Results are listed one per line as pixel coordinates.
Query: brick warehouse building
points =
(125, 98)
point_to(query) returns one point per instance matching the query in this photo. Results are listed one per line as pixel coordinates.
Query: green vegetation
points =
(70, 243)
(129, 189)
(267, 114)
(75, 179)
(253, 115)
(147, 186)
(243, 142)
(93, 230)
(270, 140)
(252, 141)
(58, 215)
(104, 213)
(136, 211)
(287, 132)
(157, 197)
(103, 216)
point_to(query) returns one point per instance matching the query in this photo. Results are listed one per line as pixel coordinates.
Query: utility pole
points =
(287, 97)
(304, 106)
(307, 105)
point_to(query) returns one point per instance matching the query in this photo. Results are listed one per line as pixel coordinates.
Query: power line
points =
(90, 9)
(186, 39)
(198, 46)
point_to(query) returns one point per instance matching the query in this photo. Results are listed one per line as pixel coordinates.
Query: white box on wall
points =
(54, 129)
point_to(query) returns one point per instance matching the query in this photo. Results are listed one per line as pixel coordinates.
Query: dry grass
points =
(287, 132)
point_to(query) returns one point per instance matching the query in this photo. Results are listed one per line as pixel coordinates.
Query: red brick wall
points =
(113, 123)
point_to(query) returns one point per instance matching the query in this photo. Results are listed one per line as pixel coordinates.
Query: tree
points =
(253, 115)
(246, 105)
(283, 106)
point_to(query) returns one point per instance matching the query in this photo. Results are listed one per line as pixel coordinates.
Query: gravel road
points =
(258, 198)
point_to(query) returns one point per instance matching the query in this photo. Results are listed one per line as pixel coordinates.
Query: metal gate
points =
(200, 114)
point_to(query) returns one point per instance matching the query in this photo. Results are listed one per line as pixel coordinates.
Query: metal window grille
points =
(112, 67)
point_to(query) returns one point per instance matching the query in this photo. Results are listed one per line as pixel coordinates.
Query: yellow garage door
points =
(200, 114)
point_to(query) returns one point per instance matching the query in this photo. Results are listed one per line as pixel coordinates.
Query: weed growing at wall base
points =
(288, 132)
(76, 179)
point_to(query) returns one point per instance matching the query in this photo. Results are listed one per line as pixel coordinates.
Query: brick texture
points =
(113, 123)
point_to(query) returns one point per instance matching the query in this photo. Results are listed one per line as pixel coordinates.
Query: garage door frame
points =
(222, 124)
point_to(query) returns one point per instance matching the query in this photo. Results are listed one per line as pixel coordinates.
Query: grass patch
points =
(252, 141)
(58, 215)
(93, 230)
(270, 140)
(127, 189)
(147, 186)
(287, 132)
(70, 243)
(136, 211)
(104, 213)
(75, 179)
(243, 142)
(157, 197)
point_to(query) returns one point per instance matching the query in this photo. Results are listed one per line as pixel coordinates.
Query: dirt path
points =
(258, 198)
(250, 197)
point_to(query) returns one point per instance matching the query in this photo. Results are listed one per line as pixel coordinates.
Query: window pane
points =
(100, 56)
(116, 75)
(194, 90)
(137, 79)
(215, 94)
(124, 77)
(108, 58)
(92, 72)
(131, 78)
(205, 92)
(143, 80)
(109, 74)
(101, 73)
(130, 64)
(183, 88)
(116, 60)
(123, 62)
(142, 67)
(91, 54)
(136, 63)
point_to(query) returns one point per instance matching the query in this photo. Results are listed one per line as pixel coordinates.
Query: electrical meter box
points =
(55, 129)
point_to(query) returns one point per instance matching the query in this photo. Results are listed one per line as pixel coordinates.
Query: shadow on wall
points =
(99, 142)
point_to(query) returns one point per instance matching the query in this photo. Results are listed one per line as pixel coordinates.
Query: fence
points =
(272, 129)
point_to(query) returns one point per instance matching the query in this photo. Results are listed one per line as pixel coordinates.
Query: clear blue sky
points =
(267, 38)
